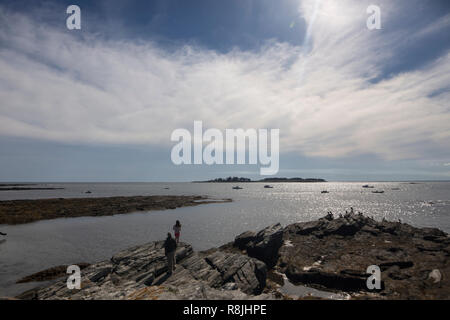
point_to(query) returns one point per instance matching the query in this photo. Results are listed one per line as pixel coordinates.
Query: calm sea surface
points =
(32, 247)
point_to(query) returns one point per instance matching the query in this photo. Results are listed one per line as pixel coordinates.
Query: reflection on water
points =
(35, 246)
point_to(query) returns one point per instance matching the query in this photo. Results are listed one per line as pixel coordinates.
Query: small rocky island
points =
(273, 179)
(330, 254)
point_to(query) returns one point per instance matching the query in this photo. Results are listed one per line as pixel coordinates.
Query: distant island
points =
(275, 179)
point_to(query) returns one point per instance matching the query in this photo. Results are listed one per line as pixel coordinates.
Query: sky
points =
(100, 103)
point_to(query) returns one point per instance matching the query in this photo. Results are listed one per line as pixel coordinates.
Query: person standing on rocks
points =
(170, 246)
(177, 230)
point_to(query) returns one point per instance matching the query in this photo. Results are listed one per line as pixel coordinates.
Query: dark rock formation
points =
(335, 254)
(263, 245)
(243, 239)
(345, 281)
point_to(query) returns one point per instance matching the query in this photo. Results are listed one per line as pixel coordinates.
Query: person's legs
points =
(168, 264)
(174, 259)
(170, 261)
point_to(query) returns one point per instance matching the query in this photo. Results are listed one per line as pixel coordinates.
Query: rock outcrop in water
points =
(328, 254)
(334, 254)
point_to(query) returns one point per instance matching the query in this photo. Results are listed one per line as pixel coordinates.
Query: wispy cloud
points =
(58, 86)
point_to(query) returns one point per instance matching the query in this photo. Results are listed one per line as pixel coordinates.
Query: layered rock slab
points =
(140, 272)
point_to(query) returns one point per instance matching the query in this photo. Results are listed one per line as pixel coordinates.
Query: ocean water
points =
(32, 247)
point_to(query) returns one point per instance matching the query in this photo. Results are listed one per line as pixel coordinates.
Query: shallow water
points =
(35, 246)
(299, 291)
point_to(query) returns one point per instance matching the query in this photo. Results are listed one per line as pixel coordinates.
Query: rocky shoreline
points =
(24, 211)
(50, 273)
(330, 254)
(28, 188)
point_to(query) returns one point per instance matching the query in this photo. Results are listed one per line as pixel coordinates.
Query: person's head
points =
(177, 223)
(169, 235)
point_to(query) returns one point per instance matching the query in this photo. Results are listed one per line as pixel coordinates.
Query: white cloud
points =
(57, 86)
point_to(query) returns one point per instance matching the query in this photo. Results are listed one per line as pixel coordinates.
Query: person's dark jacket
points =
(170, 245)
